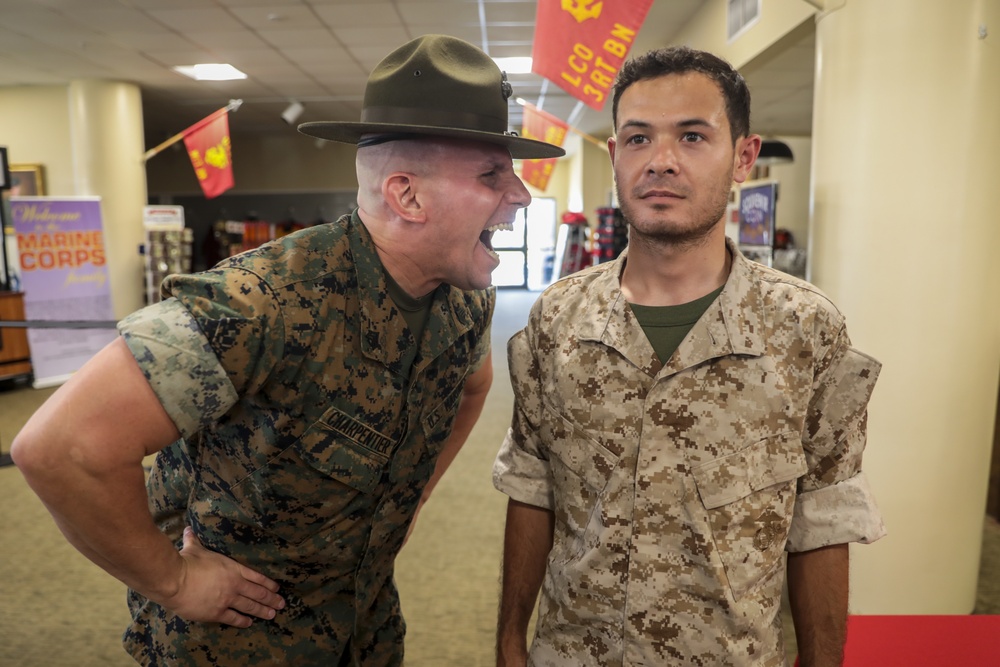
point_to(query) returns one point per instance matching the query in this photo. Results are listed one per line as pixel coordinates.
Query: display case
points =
(15, 355)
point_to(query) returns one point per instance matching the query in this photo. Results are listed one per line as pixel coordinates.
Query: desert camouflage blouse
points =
(677, 488)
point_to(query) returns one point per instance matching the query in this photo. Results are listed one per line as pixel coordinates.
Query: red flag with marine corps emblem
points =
(209, 147)
(541, 126)
(585, 43)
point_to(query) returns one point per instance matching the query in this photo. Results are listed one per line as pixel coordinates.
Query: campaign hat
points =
(435, 85)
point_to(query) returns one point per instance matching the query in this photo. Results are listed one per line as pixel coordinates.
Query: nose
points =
(517, 193)
(663, 159)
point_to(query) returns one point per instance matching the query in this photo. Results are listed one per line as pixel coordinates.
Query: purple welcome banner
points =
(64, 276)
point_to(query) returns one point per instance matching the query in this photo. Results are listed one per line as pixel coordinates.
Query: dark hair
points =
(680, 60)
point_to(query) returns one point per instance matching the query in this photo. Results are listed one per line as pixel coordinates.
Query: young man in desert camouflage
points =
(302, 397)
(684, 418)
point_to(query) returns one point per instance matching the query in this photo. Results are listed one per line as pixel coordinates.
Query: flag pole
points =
(233, 105)
(588, 137)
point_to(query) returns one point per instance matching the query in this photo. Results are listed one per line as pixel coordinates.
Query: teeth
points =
(485, 237)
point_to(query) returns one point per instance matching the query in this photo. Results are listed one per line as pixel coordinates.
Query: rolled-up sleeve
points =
(521, 469)
(179, 365)
(835, 504)
(215, 338)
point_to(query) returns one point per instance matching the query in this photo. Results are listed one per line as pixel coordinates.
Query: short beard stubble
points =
(678, 236)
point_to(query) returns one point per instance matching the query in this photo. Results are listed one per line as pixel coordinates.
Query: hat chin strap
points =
(376, 139)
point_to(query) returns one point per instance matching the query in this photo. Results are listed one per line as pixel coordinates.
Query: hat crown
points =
(440, 81)
(436, 86)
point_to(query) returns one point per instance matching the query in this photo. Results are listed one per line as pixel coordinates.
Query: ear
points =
(399, 189)
(611, 149)
(746, 151)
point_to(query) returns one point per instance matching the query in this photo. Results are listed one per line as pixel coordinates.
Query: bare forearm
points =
(527, 542)
(818, 593)
(82, 454)
(113, 527)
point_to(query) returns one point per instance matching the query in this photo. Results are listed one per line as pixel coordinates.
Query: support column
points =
(107, 144)
(905, 239)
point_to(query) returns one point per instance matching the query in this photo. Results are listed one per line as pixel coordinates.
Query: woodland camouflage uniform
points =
(307, 440)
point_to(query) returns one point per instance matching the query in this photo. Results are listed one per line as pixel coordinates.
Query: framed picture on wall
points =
(27, 180)
(4, 169)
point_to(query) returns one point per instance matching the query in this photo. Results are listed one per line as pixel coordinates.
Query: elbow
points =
(24, 452)
(32, 454)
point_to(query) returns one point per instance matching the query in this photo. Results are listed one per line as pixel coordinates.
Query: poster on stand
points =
(757, 201)
(756, 220)
(64, 277)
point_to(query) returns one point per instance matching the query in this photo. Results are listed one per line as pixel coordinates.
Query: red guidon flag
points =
(581, 44)
(209, 148)
(541, 126)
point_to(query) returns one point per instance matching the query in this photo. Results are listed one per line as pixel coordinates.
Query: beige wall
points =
(34, 126)
(590, 178)
(107, 144)
(792, 211)
(558, 185)
(707, 29)
(598, 179)
(904, 239)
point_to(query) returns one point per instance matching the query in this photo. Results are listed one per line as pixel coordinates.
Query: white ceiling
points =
(318, 52)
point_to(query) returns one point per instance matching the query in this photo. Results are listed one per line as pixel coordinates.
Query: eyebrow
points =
(690, 122)
(491, 164)
(695, 122)
(641, 124)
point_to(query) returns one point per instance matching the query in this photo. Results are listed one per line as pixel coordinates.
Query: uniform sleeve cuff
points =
(837, 514)
(179, 364)
(523, 477)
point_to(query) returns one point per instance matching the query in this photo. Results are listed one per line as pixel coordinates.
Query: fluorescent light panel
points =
(211, 72)
(518, 65)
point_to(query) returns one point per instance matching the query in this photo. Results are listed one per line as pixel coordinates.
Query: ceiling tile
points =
(440, 12)
(281, 18)
(151, 41)
(505, 12)
(322, 49)
(196, 20)
(371, 14)
(470, 33)
(222, 39)
(316, 37)
(394, 35)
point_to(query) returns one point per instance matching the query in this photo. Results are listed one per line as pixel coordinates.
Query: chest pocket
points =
(749, 496)
(323, 481)
(581, 468)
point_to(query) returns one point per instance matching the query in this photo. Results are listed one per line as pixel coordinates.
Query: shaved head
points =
(375, 163)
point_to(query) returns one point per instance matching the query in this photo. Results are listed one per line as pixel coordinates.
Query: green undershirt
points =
(415, 311)
(666, 326)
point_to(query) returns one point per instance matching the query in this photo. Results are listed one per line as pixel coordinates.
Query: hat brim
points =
(349, 133)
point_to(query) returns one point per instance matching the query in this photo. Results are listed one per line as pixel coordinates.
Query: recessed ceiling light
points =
(211, 72)
(518, 65)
